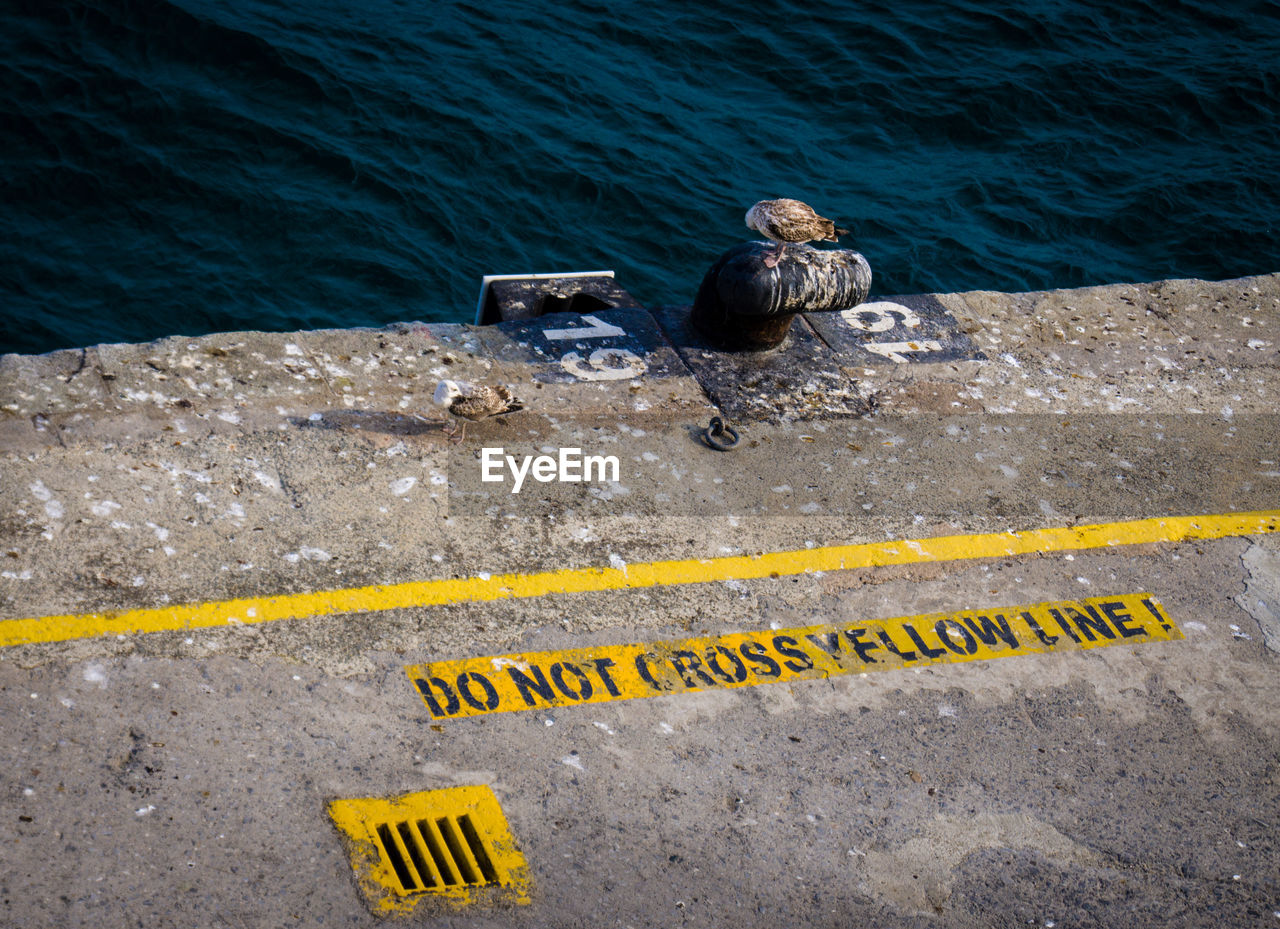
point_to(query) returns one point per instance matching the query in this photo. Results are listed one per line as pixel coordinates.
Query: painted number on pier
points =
(880, 317)
(883, 317)
(603, 364)
(900, 351)
(611, 345)
(595, 329)
(899, 331)
(543, 680)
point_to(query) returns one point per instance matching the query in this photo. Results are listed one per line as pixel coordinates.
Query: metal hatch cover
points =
(451, 845)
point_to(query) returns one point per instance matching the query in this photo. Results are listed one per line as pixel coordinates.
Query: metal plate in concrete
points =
(895, 330)
(593, 365)
(800, 380)
(451, 846)
(566, 348)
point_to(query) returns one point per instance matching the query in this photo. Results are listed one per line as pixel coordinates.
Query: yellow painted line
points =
(252, 610)
(544, 680)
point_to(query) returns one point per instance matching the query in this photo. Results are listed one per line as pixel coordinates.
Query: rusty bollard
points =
(743, 305)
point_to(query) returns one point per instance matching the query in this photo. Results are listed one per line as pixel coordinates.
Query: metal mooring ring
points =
(712, 435)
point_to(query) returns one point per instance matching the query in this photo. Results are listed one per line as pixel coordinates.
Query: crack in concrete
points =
(1261, 597)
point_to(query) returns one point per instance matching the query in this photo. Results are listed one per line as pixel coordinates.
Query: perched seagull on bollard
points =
(784, 221)
(473, 402)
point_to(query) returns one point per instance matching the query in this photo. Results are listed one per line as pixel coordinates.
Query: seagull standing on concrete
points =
(784, 221)
(473, 402)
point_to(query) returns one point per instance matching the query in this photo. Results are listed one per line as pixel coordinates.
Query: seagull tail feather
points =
(830, 232)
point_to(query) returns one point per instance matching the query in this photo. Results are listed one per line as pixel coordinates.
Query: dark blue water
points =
(186, 166)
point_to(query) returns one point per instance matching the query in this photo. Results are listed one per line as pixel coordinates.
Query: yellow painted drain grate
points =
(452, 845)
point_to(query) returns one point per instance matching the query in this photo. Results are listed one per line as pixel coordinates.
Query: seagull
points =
(784, 221)
(474, 402)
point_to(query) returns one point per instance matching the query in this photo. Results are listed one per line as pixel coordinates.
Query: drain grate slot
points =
(454, 847)
(392, 853)
(438, 854)
(451, 843)
(413, 845)
(477, 849)
(460, 857)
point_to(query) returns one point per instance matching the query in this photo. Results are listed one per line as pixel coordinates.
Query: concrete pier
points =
(978, 624)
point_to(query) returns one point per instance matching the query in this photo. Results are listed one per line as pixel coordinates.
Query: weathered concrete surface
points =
(181, 777)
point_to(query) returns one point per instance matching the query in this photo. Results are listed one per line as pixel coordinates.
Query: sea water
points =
(187, 166)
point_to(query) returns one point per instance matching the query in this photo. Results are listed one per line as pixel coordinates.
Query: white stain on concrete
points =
(306, 553)
(52, 506)
(403, 485)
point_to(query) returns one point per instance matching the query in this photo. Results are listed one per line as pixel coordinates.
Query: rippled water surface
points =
(186, 166)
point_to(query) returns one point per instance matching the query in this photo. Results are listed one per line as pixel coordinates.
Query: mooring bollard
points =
(743, 305)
